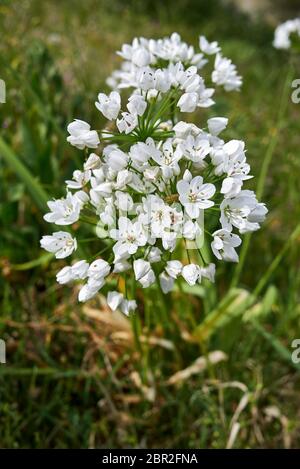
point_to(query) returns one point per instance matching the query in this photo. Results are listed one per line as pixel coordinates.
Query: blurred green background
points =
(81, 377)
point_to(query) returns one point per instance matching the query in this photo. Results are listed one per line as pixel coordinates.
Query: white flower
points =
(64, 275)
(191, 273)
(225, 74)
(93, 162)
(217, 124)
(80, 179)
(129, 236)
(128, 122)
(188, 102)
(104, 189)
(231, 160)
(114, 299)
(124, 177)
(108, 215)
(110, 105)
(141, 152)
(183, 130)
(195, 195)
(137, 53)
(196, 148)
(89, 290)
(127, 306)
(166, 282)
(168, 159)
(82, 198)
(80, 270)
(154, 255)
(137, 104)
(151, 183)
(143, 272)
(243, 212)
(191, 230)
(223, 245)
(117, 160)
(98, 269)
(63, 211)
(121, 266)
(209, 272)
(77, 271)
(189, 79)
(156, 214)
(231, 187)
(81, 135)
(173, 268)
(146, 78)
(60, 243)
(123, 201)
(283, 31)
(209, 48)
(162, 81)
(205, 95)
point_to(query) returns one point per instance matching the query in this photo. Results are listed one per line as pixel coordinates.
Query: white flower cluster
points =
(153, 64)
(282, 39)
(155, 180)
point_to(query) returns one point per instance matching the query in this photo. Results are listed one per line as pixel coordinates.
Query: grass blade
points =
(35, 189)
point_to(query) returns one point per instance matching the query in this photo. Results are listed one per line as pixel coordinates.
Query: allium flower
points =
(225, 74)
(156, 179)
(195, 195)
(127, 123)
(223, 245)
(283, 32)
(81, 135)
(64, 211)
(110, 105)
(209, 48)
(60, 243)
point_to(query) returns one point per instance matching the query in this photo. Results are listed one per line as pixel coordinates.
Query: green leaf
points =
(264, 307)
(284, 353)
(232, 305)
(35, 189)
